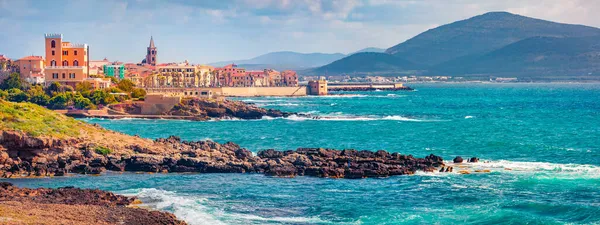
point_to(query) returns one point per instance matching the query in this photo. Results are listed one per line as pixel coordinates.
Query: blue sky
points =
(217, 30)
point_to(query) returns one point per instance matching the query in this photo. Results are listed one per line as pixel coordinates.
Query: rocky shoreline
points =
(30, 156)
(71, 205)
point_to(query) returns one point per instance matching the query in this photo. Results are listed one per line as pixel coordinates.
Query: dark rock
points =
(458, 159)
(474, 160)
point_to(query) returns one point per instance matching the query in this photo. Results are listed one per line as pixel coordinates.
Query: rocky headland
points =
(200, 109)
(35, 141)
(70, 205)
(204, 108)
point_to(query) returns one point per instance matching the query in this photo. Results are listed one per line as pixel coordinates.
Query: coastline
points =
(69, 205)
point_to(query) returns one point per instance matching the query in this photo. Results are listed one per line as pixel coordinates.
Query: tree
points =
(60, 101)
(83, 103)
(103, 97)
(138, 93)
(53, 88)
(13, 81)
(16, 95)
(84, 87)
(126, 85)
(38, 96)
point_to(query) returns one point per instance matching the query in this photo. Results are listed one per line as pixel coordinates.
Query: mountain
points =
(286, 60)
(533, 58)
(369, 49)
(481, 34)
(365, 63)
(481, 45)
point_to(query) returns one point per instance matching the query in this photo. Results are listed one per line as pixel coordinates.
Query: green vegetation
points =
(103, 150)
(38, 121)
(56, 96)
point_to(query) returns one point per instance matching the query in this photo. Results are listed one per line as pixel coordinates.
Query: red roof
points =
(32, 58)
(2, 57)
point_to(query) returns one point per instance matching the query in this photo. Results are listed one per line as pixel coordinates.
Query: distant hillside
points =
(365, 63)
(369, 49)
(287, 60)
(481, 34)
(533, 58)
(480, 45)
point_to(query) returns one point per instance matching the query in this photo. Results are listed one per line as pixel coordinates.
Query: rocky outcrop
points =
(204, 108)
(70, 205)
(27, 156)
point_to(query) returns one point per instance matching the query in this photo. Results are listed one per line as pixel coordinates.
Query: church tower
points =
(151, 55)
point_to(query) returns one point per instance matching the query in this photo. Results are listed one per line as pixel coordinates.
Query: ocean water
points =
(540, 142)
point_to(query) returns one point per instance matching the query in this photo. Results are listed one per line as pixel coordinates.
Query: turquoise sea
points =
(541, 143)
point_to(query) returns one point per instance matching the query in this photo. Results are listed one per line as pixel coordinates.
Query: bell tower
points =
(151, 54)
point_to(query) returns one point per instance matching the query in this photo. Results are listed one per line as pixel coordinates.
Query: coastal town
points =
(69, 63)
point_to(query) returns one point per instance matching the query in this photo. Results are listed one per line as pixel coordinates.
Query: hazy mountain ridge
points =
(287, 60)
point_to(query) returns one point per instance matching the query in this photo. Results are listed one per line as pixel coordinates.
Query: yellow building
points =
(66, 62)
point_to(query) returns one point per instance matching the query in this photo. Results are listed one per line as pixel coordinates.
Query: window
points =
(53, 45)
(65, 52)
(53, 63)
(75, 63)
(52, 52)
(65, 63)
(75, 52)
(72, 75)
(63, 76)
(54, 75)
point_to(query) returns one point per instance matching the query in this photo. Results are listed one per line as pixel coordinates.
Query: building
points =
(151, 54)
(66, 62)
(96, 66)
(317, 87)
(5, 63)
(31, 68)
(290, 78)
(177, 75)
(117, 71)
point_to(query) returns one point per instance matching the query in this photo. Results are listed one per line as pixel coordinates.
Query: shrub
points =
(38, 96)
(13, 81)
(103, 150)
(83, 103)
(16, 95)
(138, 93)
(3, 95)
(125, 85)
(60, 101)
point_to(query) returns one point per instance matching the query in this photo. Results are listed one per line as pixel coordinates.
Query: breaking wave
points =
(195, 210)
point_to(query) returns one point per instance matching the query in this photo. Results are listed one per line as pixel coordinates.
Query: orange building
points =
(66, 62)
(31, 68)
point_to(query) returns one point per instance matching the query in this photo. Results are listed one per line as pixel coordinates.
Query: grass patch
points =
(103, 150)
(37, 121)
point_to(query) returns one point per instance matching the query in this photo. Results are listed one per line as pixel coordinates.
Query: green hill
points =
(533, 58)
(492, 43)
(481, 34)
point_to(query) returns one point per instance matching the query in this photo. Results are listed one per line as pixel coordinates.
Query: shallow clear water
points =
(541, 141)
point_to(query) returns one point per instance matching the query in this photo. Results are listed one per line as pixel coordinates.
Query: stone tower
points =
(151, 55)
